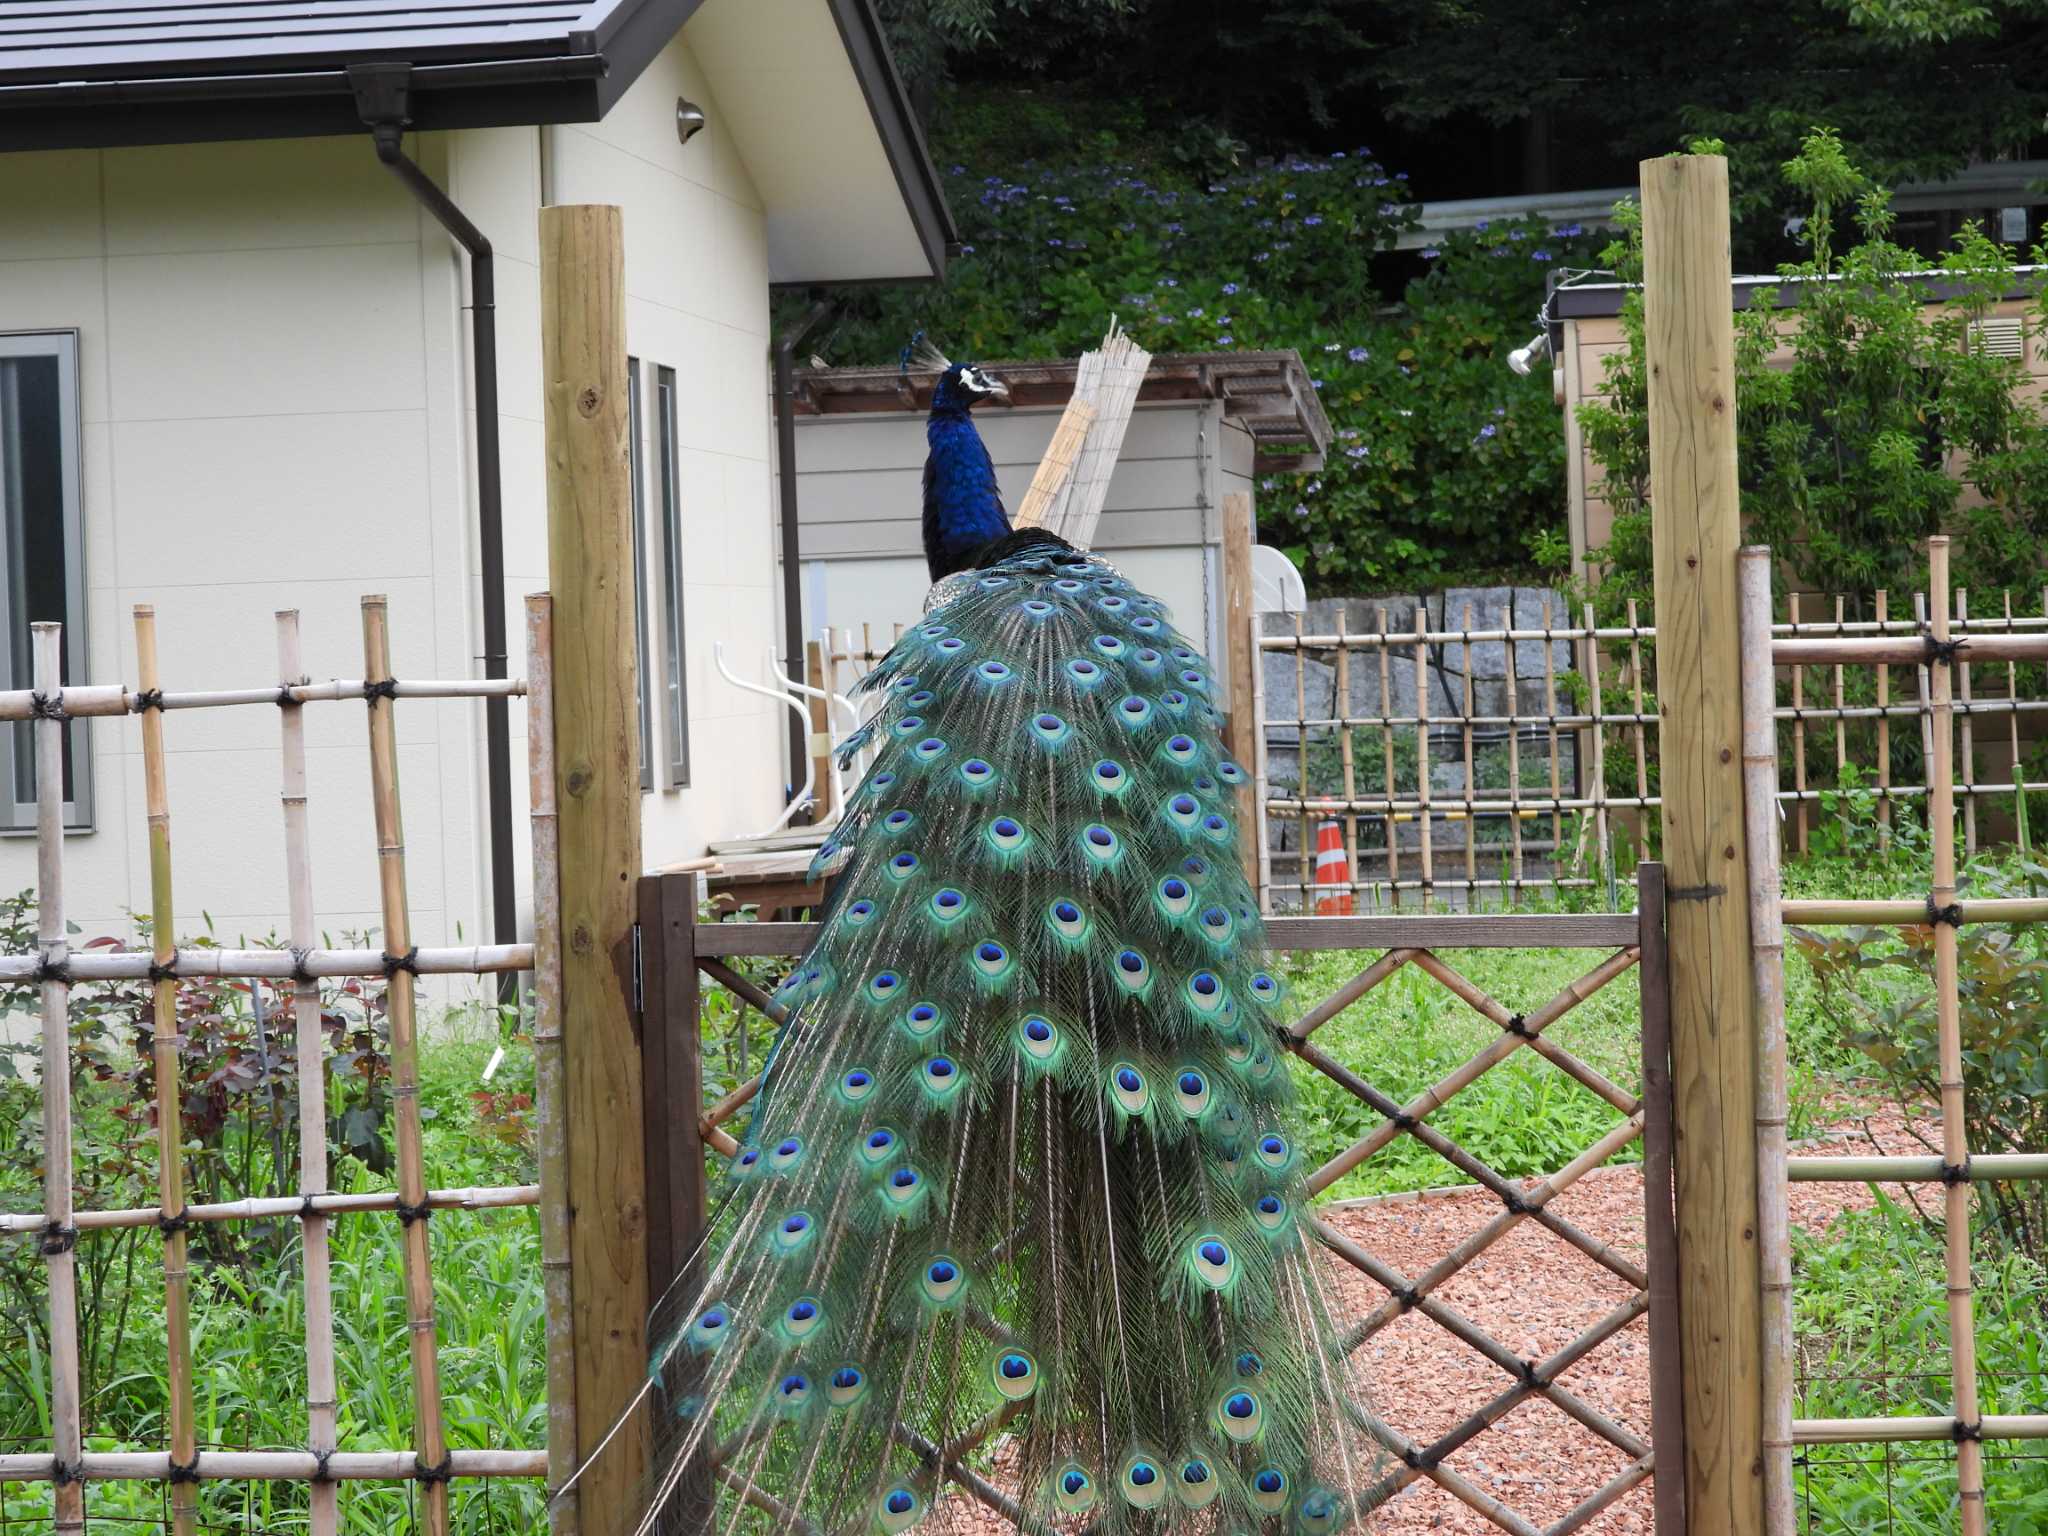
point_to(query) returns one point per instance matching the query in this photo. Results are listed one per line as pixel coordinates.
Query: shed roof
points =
(1593, 300)
(1269, 392)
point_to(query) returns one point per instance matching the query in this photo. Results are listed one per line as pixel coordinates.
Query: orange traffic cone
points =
(1332, 869)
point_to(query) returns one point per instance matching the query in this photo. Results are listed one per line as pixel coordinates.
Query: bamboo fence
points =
(59, 1226)
(1941, 653)
(1529, 796)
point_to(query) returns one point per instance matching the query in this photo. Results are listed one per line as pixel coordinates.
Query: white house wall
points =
(697, 302)
(269, 360)
(860, 497)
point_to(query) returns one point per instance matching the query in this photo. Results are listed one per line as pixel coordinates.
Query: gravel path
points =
(1534, 1294)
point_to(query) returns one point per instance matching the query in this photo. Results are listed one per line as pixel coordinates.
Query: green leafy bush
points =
(1860, 407)
(1444, 465)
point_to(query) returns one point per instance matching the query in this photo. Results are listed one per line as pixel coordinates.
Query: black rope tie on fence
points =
(148, 699)
(1952, 914)
(408, 1214)
(1408, 1297)
(1403, 1121)
(300, 974)
(58, 1238)
(163, 970)
(1953, 1174)
(64, 1473)
(1512, 1199)
(307, 1211)
(439, 1472)
(49, 969)
(47, 706)
(1942, 652)
(185, 1471)
(382, 688)
(1518, 1026)
(285, 697)
(1962, 1432)
(320, 1472)
(168, 1224)
(408, 962)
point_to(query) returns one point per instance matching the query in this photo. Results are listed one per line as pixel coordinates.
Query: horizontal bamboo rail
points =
(96, 699)
(269, 964)
(1914, 914)
(1982, 1167)
(1993, 1426)
(1905, 652)
(1781, 634)
(273, 1466)
(272, 1207)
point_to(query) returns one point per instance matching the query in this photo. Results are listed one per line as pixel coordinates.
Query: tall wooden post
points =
(597, 779)
(1697, 529)
(1240, 655)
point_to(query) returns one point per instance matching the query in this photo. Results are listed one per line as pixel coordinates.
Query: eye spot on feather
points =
(1100, 844)
(903, 865)
(1145, 626)
(1108, 645)
(1037, 607)
(952, 644)
(1114, 604)
(994, 672)
(1140, 1482)
(1068, 586)
(929, 748)
(977, 773)
(921, 698)
(897, 821)
(1084, 671)
(922, 1020)
(909, 725)
(1240, 1416)
(1110, 775)
(846, 1386)
(906, 683)
(1050, 729)
(1269, 1490)
(1073, 1489)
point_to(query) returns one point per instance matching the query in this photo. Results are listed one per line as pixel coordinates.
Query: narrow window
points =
(42, 555)
(635, 437)
(678, 701)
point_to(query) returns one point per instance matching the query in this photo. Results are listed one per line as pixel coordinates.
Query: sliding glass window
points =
(676, 735)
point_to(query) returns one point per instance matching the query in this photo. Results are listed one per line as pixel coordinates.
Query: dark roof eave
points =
(1592, 301)
(917, 179)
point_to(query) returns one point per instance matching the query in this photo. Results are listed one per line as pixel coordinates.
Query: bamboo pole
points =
(1346, 756)
(1387, 759)
(1422, 753)
(1884, 738)
(1913, 914)
(1986, 1167)
(60, 1234)
(399, 1003)
(1955, 1146)
(1907, 650)
(1305, 840)
(1261, 780)
(269, 964)
(170, 1138)
(1050, 478)
(2012, 692)
(1465, 741)
(325, 1510)
(1993, 1426)
(270, 1466)
(1767, 978)
(1798, 730)
(1550, 710)
(550, 1133)
(1599, 755)
(1241, 655)
(1841, 732)
(1691, 352)
(98, 699)
(273, 1207)
(597, 780)
(1969, 762)
(1516, 865)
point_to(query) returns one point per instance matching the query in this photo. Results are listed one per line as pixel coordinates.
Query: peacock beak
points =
(997, 389)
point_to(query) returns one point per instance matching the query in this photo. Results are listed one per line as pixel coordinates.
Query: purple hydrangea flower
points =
(1480, 227)
(1356, 453)
(1485, 432)
(1430, 253)
(1194, 314)
(1169, 282)
(1055, 242)
(1358, 354)
(966, 250)
(1314, 218)
(1300, 512)
(1230, 287)
(1539, 255)
(1224, 341)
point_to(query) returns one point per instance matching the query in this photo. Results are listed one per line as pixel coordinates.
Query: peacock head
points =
(963, 386)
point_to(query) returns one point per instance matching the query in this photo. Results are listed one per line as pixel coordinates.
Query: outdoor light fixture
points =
(689, 119)
(1522, 359)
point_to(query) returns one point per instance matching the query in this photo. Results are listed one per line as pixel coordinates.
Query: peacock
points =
(1022, 1171)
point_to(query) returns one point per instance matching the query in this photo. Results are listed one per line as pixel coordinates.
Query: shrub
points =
(1444, 464)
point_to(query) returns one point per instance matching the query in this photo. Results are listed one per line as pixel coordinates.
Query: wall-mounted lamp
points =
(689, 119)
(1522, 359)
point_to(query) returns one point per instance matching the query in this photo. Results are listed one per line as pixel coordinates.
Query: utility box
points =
(1205, 426)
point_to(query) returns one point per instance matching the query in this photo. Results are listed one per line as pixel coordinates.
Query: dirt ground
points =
(1533, 1293)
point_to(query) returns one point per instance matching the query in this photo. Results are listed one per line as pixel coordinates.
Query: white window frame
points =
(17, 792)
(637, 457)
(675, 649)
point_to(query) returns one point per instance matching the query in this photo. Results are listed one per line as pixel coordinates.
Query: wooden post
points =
(1691, 354)
(170, 1136)
(597, 778)
(1660, 1236)
(817, 673)
(1240, 655)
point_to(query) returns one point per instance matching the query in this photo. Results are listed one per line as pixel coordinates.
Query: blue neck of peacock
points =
(963, 505)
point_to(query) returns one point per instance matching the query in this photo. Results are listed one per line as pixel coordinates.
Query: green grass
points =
(248, 1342)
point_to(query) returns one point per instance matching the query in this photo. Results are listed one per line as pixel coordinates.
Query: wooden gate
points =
(680, 954)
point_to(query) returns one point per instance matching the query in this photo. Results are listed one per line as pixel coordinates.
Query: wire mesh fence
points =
(71, 1479)
(1411, 757)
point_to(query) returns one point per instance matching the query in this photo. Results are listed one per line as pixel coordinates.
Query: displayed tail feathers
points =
(1024, 1171)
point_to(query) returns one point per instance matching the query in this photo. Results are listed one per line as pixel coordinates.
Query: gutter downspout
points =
(792, 570)
(381, 92)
